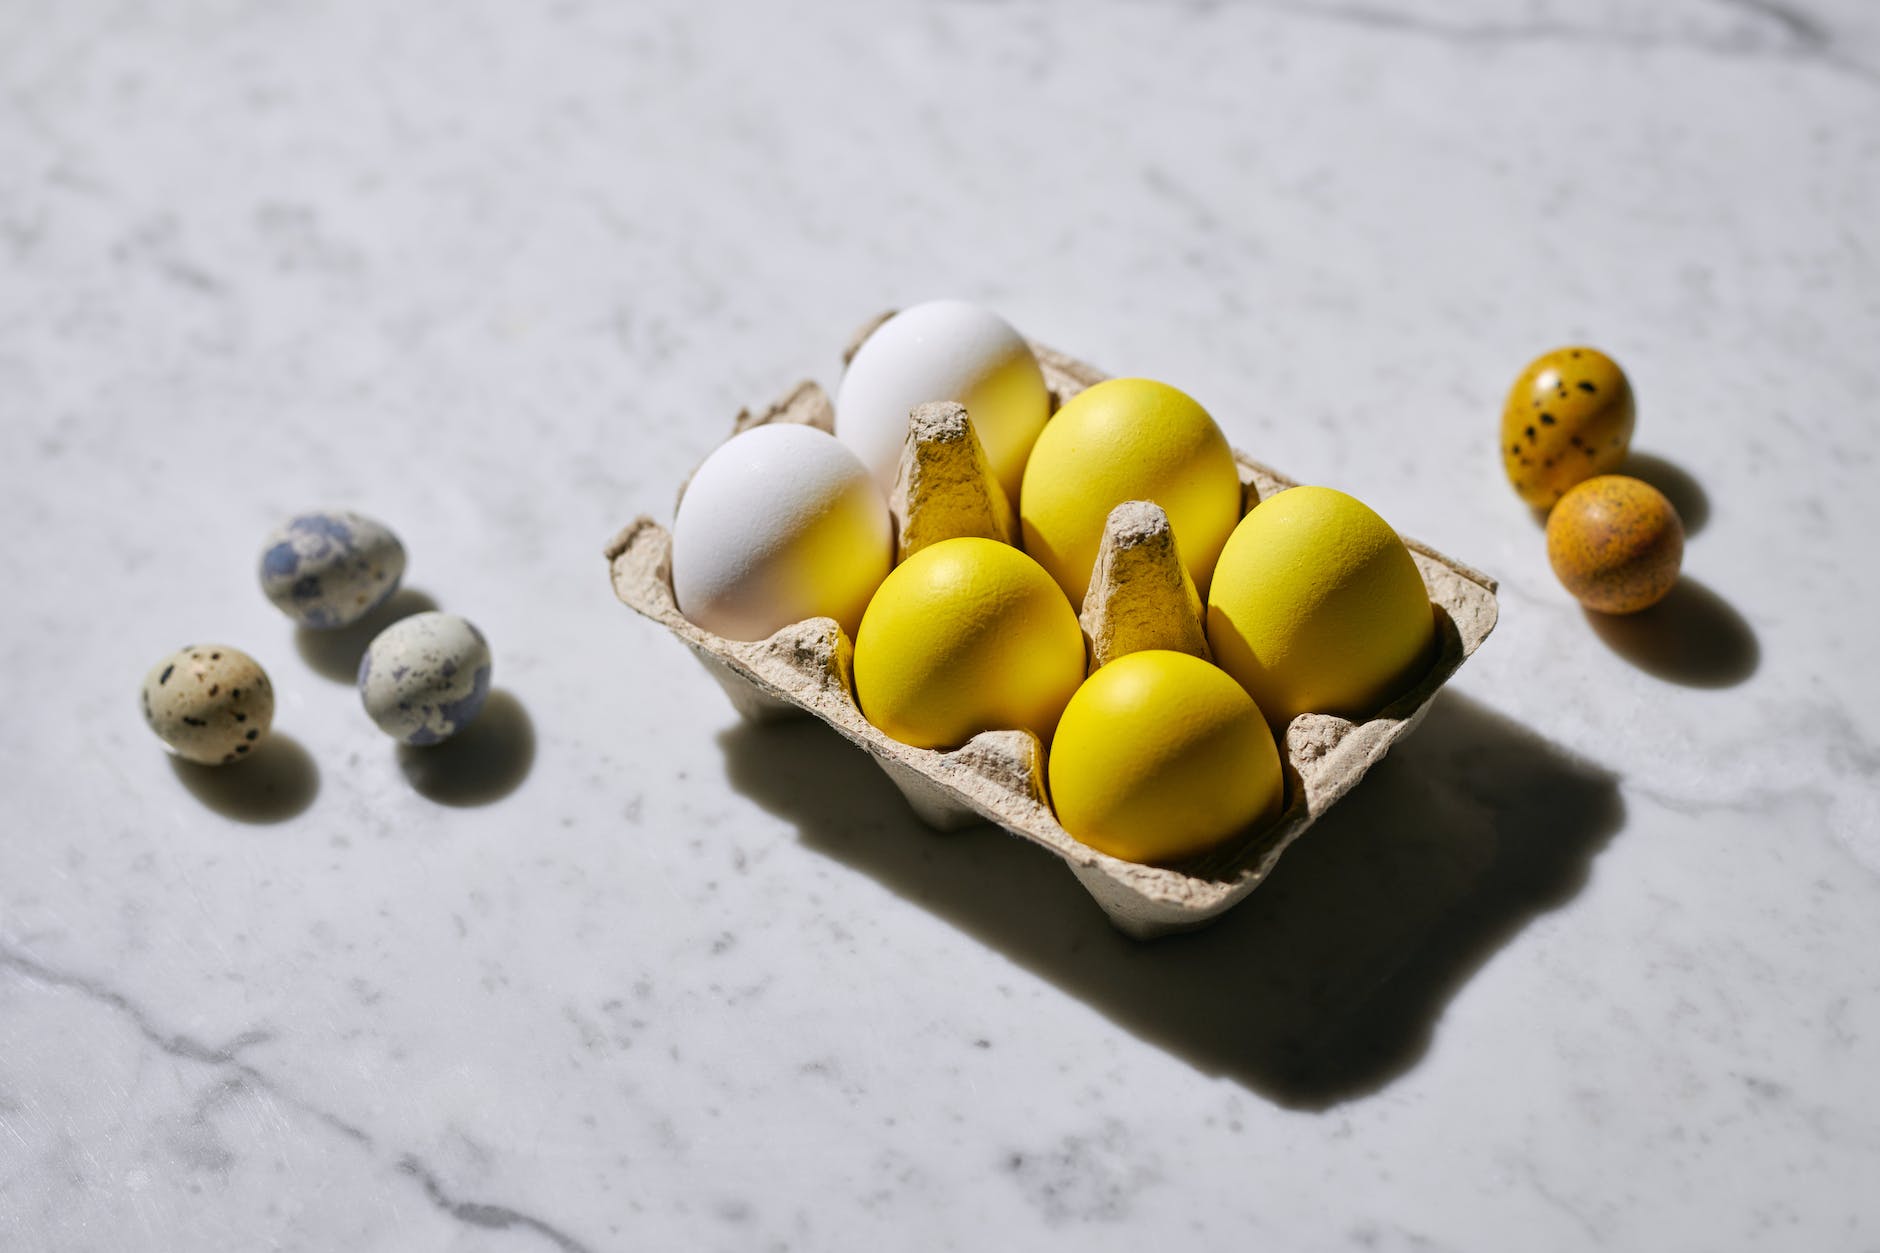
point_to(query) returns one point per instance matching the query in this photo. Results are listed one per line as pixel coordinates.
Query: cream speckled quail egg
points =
(209, 703)
(425, 678)
(328, 569)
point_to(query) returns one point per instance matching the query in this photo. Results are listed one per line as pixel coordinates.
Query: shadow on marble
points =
(335, 654)
(1685, 493)
(278, 780)
(1693, 637)
(1323, 986)
(484, 762)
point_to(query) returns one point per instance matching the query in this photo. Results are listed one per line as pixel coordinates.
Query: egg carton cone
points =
(1140, 597)
(944, 487)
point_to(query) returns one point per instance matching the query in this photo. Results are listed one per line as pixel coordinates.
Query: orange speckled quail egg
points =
(1616, 543)
(209, 703)
(1568, 417)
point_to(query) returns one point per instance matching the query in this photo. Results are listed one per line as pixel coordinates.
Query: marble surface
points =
(1589, 962)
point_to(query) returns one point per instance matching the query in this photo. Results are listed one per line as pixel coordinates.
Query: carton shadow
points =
(272, 784)
(1324, 985)
(1693, 637)
(335, 654)
(484, 762)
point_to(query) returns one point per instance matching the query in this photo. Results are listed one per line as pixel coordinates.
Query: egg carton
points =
(1140, 597)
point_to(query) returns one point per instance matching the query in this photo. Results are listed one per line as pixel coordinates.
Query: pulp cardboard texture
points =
(944, 487)
(1141, 596)
(999, 776)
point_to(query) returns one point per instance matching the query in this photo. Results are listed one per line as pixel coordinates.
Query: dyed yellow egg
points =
(1160, 757)
(967, 635)
(1127, 439)
(1318, 607)
(1568, 417)
(1616, 543)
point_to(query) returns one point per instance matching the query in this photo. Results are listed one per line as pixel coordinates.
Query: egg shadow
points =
(335, 654)
(1685, 493)
(1326, 983)
(484, 762)
(1693, 637)
(272, 784)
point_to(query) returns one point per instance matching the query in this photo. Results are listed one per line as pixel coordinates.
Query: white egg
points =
(782, 523)
(943, 350)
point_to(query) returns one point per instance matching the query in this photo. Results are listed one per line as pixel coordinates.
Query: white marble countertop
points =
(1590, 961)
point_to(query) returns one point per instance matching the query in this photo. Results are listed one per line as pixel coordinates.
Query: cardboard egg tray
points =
(999, 776)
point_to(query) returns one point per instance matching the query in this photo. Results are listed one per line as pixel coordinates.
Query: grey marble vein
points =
(1778, 31)
(175, 1045)
(241, 1073)
(481, 1214)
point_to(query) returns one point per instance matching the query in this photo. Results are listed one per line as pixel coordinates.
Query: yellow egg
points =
(1127, 439)
(1616, 543)
(1317, 607)
(1568, 417)
(967, 635)
(1161, 757)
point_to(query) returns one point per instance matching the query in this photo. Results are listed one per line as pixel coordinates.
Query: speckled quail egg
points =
(1616, 543)
(1567, 418)
(330, 568)
(425, 678)
(209, 703)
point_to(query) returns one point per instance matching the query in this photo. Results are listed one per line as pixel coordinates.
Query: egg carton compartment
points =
(999, 776)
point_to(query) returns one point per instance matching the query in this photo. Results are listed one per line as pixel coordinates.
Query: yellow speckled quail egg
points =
(209, 703)
(1568, 418)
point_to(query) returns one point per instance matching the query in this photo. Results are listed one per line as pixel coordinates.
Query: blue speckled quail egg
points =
(209, 703)
(425, 678)
(331, 568)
